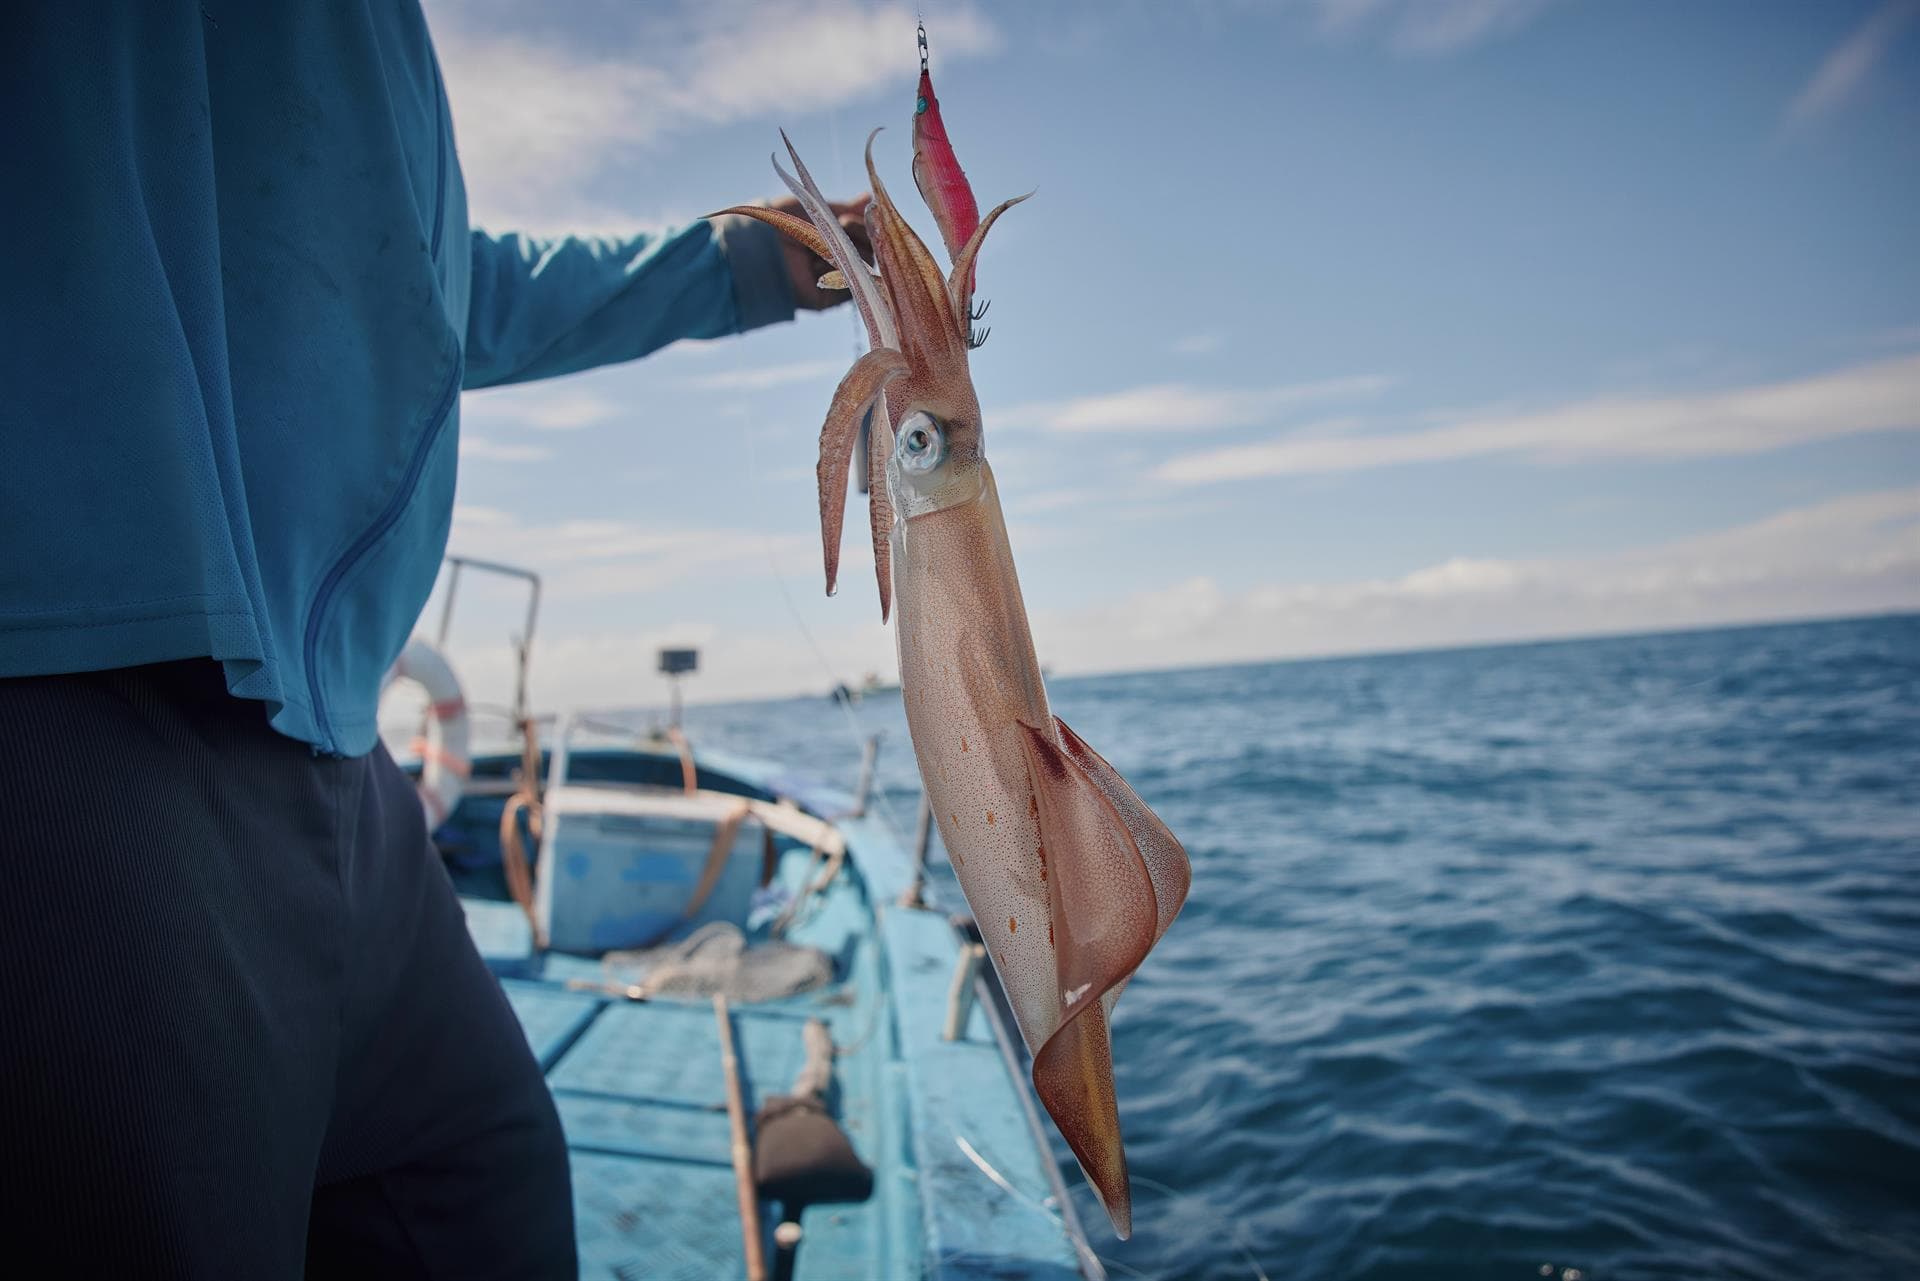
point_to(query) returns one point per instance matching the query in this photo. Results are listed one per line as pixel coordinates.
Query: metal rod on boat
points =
(915, 893)
(742, 1149)
(446, 605)
(865, 787)
(960, 993)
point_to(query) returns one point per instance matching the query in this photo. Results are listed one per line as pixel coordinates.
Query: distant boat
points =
(872, 684)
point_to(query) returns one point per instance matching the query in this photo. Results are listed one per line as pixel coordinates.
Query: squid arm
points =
(820, 231)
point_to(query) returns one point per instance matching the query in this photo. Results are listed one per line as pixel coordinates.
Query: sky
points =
(1335, 325)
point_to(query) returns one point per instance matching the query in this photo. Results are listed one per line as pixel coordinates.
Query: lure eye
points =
(921, 444)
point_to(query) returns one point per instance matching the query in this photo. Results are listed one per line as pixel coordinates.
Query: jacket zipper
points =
(439, 164)
(382, 523)
(391, 512)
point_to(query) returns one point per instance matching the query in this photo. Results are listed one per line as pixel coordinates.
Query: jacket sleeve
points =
(541, 307)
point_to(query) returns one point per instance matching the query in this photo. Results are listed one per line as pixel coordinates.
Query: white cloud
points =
(605, 669)
(542, 406)
(1859, 554)
(569, 411)
(1049, 500)
(581, 559)
(538, 121)
(479, 448)
(1181, 406)
(1847, 66)
(1873, 397)
(1429, 27)
(769, 376)
(472, 518)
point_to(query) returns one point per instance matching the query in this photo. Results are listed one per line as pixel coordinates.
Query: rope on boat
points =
(714, 959)
(513, 854)
(724, 833)
(835, 859)
(689, 777)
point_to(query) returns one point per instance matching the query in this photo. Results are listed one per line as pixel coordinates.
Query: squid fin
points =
(1165, 857)
(1095, 865)
(859, 389)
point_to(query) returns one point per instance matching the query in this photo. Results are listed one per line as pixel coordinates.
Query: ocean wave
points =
(1599, 956)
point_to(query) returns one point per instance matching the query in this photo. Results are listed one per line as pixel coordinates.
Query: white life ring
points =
(445, 759)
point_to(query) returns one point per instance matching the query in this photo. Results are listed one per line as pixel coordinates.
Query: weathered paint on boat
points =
(639, 1087)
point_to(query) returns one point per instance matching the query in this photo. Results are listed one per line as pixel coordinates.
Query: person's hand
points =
(804, 267)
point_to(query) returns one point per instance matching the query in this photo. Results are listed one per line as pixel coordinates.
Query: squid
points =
(1070, 876)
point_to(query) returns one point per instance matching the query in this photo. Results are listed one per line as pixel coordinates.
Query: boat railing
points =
(522, 644)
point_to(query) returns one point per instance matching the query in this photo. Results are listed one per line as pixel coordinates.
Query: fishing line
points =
(1005, 1185)
(1239, 1240)
(855, 729)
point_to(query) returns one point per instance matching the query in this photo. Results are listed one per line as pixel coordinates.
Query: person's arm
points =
(545, 307)
(541, 307)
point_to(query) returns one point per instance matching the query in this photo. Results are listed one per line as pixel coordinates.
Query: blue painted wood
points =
(504, 936)
(959, 1090)
(657, 1221)
(551, 1018)
(654, 1130)
(621, 880)
(679, 1047)
(640, 1092)
(885, 862)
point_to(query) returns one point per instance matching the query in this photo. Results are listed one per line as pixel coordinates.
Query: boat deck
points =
(641, 1092)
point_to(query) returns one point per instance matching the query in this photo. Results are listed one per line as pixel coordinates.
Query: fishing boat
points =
(771, 1056)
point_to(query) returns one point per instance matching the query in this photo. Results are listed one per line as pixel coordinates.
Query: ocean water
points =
(1594, 959)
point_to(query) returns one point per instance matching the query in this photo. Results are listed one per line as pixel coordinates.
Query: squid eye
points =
(921, 445)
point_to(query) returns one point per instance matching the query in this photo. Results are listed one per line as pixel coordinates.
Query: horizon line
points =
(1517, 642)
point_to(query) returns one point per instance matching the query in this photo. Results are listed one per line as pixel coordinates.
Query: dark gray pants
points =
(243, 1032)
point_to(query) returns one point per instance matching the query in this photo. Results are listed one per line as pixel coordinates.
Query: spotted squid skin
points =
(1056, 880)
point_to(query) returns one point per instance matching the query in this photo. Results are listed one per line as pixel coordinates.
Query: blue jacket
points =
(238, 302)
